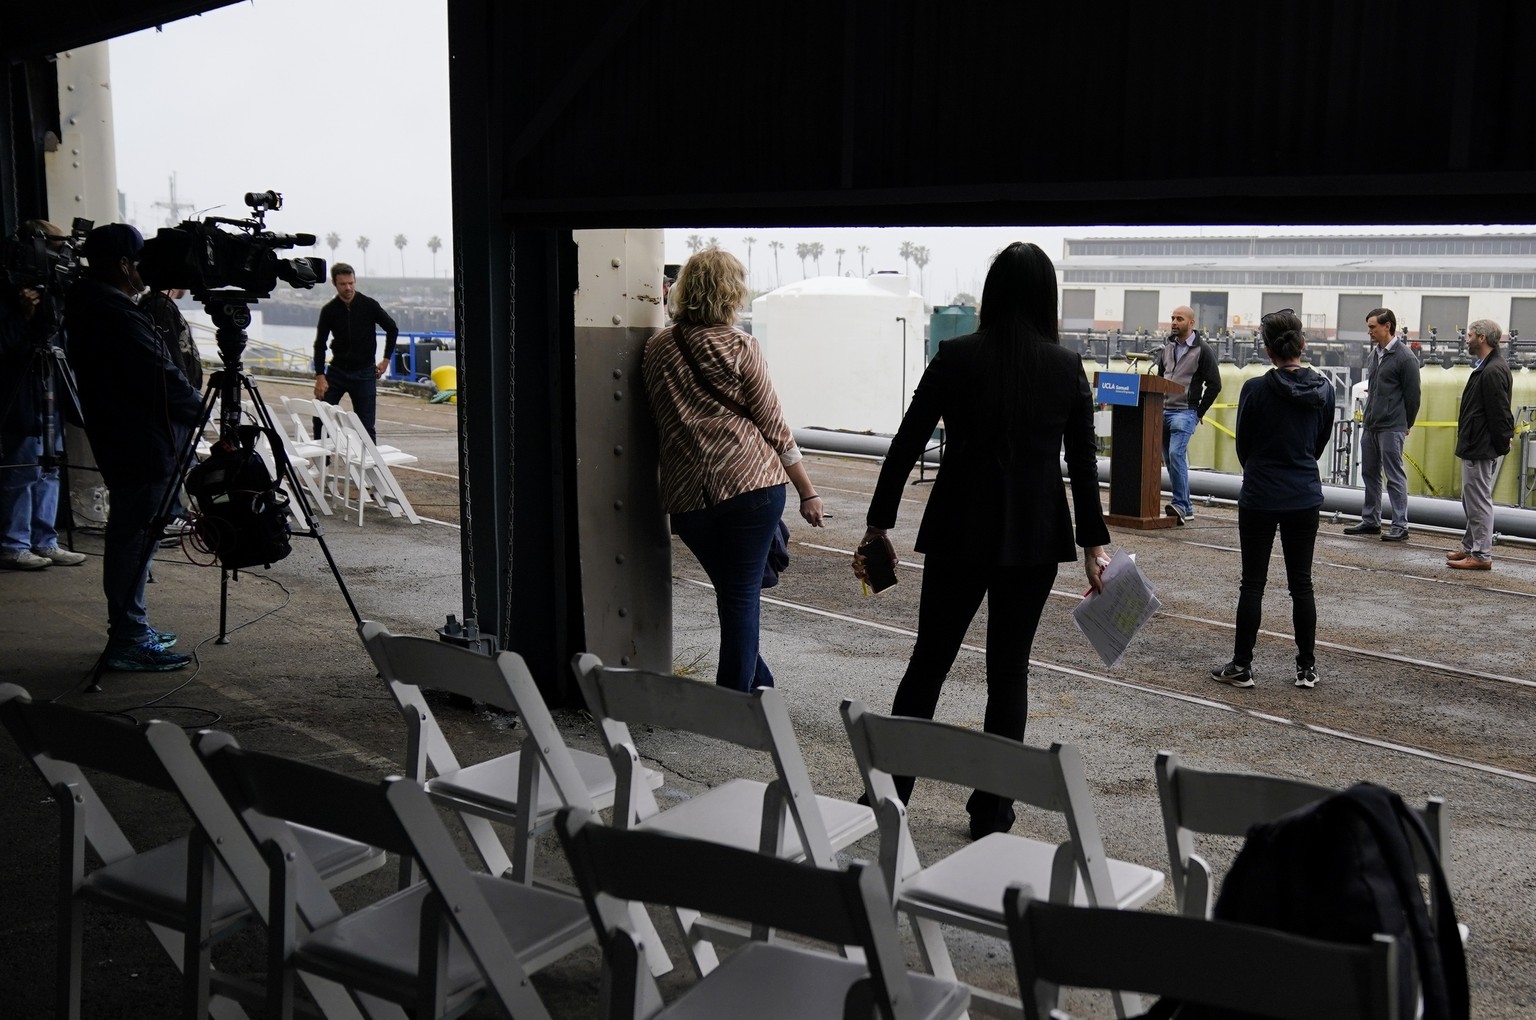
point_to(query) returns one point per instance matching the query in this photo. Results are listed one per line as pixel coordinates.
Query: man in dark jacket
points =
(1391, 407)
(350, 320)
(1484, 427)
(1189, 361)
(139, 410)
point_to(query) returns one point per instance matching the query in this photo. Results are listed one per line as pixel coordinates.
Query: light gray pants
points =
(1477, 478)
(1382, 452)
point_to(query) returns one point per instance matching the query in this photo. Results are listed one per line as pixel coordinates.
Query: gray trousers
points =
(1477, 478)
(1382, 452)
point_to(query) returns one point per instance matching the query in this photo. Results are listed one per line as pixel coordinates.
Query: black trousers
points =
(1298, 535)
(952, 593)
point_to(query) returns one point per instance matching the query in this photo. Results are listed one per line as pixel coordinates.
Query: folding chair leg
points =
(71, 871)
(196, 952)
(700, 950)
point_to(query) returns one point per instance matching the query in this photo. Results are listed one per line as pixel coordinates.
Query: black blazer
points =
(999, 499)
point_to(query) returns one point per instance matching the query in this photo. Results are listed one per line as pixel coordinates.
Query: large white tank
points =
(844, 353)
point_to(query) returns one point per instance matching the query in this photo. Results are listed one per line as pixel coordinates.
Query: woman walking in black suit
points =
(997, 521)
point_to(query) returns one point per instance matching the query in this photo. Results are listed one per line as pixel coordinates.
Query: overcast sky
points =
(342, 105)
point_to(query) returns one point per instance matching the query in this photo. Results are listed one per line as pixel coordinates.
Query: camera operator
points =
(349, 319)
(176, 335)
(138, 409)
(29, 494)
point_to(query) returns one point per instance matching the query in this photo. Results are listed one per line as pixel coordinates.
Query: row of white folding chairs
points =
(344, 456)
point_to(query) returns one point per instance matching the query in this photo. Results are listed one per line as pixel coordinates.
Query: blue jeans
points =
(731, 542)
(1298, 535)
(363, 385)
(29, 496)
(125, 561)
(1178, 430)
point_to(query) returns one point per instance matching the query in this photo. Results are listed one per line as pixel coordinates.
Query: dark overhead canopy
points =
(973, 111)
(35, 28)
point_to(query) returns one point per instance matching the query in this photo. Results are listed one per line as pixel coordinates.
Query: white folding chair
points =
(966, 888)
(310, 457)
(369, 465)
(769, 980)
(1257, 971)
(499, 789)
(192, 891)
(1231, 803)
(780, 817)
(435, 948)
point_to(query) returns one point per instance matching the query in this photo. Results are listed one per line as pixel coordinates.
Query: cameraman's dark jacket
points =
(351, 328)
(138, 405)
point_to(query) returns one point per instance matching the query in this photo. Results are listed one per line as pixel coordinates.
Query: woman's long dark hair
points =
(1018, 310)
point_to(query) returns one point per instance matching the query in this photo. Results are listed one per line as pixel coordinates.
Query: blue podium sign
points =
(1119, 388)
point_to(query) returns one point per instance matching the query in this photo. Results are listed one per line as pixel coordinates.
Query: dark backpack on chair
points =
(1342, 870)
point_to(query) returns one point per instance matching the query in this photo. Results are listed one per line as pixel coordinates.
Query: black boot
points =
(989, 813)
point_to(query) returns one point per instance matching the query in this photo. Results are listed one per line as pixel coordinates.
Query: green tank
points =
(949, 321)
(1429, 454)
(1506, 489)
(1221, 419)
(1202, 448)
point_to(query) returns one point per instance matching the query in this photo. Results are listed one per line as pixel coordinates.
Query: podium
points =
(1136, 454)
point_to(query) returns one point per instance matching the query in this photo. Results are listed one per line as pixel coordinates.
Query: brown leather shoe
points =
(1456, 554)
(1470, 563)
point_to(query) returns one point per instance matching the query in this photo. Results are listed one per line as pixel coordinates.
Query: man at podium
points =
(1189, 361)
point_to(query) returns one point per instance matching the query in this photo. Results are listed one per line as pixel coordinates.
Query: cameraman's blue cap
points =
(112, 242)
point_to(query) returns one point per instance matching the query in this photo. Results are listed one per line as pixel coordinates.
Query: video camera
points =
(206, 256)
(42, 261)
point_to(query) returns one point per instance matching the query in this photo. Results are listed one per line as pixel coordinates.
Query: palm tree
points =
(332, 240)
(695, 242)
(863, 250)
(804, 251)
(749, 242)
(775, 246)
(906, 256)
(362, 244)
(434, 243)
(817, 248)
(400, 243)
(920, 256)
(840, 253)
(714, 242)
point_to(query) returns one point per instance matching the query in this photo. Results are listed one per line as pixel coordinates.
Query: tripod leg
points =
(295, 487)
(223, 607)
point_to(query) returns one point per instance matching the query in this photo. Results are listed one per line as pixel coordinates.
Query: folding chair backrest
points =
(1259, 971)
(1049, 779)
(393, 814)
(408, 663)
(758, 721)
(1229, 804)
(841, 907)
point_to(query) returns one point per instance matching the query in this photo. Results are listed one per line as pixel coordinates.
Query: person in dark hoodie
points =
(1284, 419)
(139, 411)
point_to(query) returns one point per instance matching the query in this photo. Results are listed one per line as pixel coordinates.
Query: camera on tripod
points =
(43, 261)
(217, 254)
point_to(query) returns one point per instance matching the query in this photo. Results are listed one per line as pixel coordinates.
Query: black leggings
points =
(1298, 534)
(952, 593)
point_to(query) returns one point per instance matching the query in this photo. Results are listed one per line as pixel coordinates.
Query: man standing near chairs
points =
(350, 320)
(1485, 426)
(1189, 361)
(1391, 405)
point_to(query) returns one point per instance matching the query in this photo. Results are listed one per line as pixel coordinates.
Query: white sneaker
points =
(61, 557)
(24, 560)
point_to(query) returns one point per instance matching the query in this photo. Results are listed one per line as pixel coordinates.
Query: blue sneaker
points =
(145, 658)
(161, 639)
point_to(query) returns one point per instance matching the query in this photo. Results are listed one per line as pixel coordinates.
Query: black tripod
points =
(231, 314)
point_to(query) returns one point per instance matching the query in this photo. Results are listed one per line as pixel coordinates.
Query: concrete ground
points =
(1427, 688)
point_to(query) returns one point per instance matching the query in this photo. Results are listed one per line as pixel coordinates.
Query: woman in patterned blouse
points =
(724, 462)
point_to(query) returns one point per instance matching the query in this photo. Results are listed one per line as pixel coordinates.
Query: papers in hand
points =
(1109, 620)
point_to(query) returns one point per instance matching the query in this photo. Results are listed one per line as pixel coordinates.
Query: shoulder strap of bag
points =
(703, 381)
(1446, 993)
